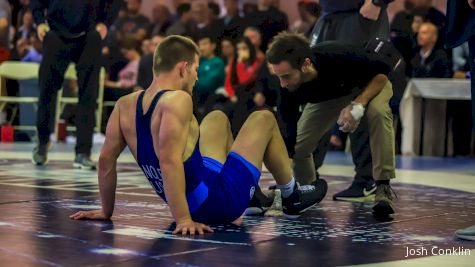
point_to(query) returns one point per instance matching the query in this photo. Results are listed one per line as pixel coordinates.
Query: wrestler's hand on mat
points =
(370, 11)
(90, 214)
(350, 117)
(191, 227)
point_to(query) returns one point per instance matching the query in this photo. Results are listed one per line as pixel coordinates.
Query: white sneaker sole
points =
(82, 167)
(295, 216)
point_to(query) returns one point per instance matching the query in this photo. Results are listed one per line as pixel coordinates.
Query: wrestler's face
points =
(289, 77)
(191, 75)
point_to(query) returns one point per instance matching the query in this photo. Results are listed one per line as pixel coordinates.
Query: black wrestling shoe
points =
(384, 201)
(359, 191)
(259, 203)
(82, 161)
(303, 198)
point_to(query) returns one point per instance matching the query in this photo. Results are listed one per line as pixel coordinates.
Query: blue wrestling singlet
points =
(215, 193)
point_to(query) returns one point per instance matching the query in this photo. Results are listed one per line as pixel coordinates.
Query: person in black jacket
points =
(461, 28)
(339, 83)
(71, 32)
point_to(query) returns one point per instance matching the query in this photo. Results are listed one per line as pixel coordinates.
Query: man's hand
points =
(350, 117)
(369, 11)
(471, 3)
(42, 29)
(191, 227)
(102, 29)
(90, 214)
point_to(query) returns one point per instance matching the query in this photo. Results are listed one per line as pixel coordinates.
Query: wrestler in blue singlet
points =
(215, 193)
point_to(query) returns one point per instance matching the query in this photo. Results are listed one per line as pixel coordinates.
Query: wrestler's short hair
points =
(172, 50)
(291, 47)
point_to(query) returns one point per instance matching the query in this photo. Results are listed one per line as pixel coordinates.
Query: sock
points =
(382, 182)
(287, 189)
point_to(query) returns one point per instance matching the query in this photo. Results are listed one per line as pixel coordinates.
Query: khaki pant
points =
(319, 118)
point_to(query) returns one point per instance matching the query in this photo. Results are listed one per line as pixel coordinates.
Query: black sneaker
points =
(40, 154)
(82, 161)
(359, 191)
(303, 198)
(384, 201)
(259, 203)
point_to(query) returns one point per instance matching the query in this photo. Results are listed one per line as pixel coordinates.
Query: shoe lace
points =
(389, 191)
(306, 188)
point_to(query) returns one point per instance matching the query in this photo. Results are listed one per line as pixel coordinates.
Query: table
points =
(423, 114)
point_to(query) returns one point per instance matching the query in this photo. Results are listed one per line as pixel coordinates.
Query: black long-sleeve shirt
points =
(341, 68)
(74, 18)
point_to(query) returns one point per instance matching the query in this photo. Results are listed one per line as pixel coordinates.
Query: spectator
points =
(255, 36)
(5, 20)
(430, 61)
(269, 20)
(183, 24)
(309, 13)
(161, 20)
(231, 24)
(128, 75)
(145, 74)
(210, 73)
(240, 81)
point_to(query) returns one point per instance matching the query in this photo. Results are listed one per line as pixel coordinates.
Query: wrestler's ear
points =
(182, 67)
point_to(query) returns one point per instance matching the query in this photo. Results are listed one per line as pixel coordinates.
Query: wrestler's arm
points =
(113, 146)
(176, 111)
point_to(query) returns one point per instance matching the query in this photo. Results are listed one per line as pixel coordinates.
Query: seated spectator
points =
(460, 58)
(30, 50)
(161, 20)
(240, 79)
(309, 13)
(183, 25)
(231, 24)
(127, 78)
(210, 73)
(145, 75)
(430, 61)
(254, 35)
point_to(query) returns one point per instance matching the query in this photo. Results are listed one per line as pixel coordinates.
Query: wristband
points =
(357, 110)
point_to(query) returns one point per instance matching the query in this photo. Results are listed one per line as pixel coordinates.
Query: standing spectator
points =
(73, 38)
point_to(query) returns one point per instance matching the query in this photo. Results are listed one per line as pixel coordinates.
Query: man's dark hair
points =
(291, 47)
(214, 8)
(182, 9)
(173, 50)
